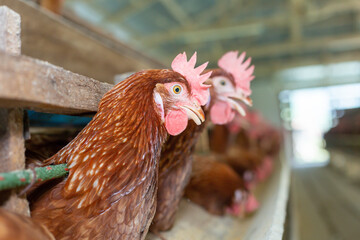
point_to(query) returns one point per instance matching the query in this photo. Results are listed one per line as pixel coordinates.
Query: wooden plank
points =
(9, 31)
(307, 16)
(174, 34)
(54, 6)
(38, 85)
(208, 34)
(12, 149)
(296, 7)
(133, 7)
(265, 69)
(51, 38)
(12, 156)
(177, 12)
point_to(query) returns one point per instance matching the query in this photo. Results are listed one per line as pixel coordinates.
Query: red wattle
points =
(176, 122)
(221, 113)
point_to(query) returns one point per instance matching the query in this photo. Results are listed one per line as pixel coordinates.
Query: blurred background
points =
(307, 67)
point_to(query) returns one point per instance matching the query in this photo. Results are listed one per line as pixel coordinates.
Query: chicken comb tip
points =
(192, 75)
(239, 69)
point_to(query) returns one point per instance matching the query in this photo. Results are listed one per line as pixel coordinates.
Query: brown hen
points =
(216, 187)
(110, 190)
(176, 155)
(20, 227)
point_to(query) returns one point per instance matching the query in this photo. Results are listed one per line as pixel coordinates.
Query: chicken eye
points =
(177, 89)
(222, 83)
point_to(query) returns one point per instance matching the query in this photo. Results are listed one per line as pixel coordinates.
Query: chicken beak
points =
(234, 102)
(197, 114)
(248, 101)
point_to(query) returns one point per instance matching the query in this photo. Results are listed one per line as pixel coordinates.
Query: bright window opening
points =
(309, 113)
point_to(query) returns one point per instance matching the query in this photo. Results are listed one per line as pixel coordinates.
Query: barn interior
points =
(307, 86)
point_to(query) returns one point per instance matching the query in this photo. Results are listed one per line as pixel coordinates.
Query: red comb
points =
(187, 69)
(240, 70)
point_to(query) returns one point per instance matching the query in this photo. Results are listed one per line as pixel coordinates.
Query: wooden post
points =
(12, 149)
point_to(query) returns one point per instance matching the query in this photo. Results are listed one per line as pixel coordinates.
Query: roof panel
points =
(150, 20)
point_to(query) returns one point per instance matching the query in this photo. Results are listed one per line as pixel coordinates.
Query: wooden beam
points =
(48, 37)
(54, 6)
(9, 31)
(226, 11)
(217, 12)
(177, 12)
(12, 148)
(202, 18)
(272, 66)
(109, 39)
(210, 34)
(331, 9)
(248, 28)
(339, 43)
(216, 34)
(296, 8)
(33, 84)
(134, 7)
(70, 12)
(122, 48)
(357, 22)
(320, 43)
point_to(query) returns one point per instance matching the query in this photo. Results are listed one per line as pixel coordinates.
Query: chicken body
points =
(244, 155)
(19, 227)
(112, 182)
(215, 186)
(248, 145)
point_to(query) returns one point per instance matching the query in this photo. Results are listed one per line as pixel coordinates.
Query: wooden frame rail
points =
(12, 147)
(52, 38)
(29, 83)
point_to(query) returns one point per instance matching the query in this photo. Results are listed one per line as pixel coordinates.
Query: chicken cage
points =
(29, 81)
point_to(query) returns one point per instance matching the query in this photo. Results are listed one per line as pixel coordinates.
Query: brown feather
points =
(174, 174)
(20, 227)
(213, 184)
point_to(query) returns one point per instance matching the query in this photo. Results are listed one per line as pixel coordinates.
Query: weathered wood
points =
(9, 31)
(12, 149)
(54, 6)
(267, 68)
(12, 156)
(48, 37)
(38, 85)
